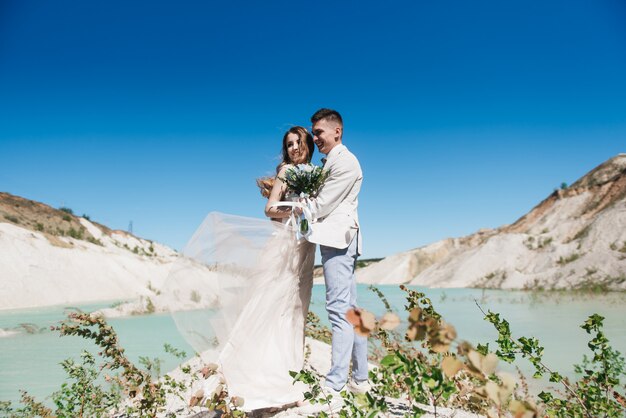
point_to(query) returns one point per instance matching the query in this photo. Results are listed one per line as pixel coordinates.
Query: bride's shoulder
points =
(282, 168)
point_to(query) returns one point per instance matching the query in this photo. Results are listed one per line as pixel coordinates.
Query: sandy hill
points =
(575, 238)
(51, 256)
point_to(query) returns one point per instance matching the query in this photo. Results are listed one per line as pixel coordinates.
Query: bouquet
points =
(305, 181)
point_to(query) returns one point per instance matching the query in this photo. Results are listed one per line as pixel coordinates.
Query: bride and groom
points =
(265, 292)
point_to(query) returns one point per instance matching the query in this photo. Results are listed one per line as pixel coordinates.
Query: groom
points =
(338, 234)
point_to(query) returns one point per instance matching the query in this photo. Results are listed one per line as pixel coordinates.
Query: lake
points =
(31, 360)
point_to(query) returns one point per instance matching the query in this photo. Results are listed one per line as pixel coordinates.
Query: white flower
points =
(307, 168)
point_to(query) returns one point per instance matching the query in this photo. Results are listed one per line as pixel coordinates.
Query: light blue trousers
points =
(339, 265)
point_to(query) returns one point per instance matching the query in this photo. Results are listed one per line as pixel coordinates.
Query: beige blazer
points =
(335, 207)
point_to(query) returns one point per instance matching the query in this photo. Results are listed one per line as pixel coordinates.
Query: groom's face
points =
(326, 134)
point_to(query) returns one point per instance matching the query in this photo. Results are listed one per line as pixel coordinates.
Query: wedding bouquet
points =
(305, 181)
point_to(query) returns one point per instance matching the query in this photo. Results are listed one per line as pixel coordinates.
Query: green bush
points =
(12, 218)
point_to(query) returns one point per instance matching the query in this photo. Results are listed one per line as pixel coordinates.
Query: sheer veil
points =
(228, 261)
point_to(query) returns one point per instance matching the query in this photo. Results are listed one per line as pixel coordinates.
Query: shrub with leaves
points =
(432, 374)
(96, 389)
(599, 392)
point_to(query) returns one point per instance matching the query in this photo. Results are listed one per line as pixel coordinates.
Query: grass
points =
(538, 244)
(76, 234)
(366, 262)
(615, 247)
(12, 218)
(570, 258)
(95, 241)
(492, 280)
(597, 285)
(583, 233)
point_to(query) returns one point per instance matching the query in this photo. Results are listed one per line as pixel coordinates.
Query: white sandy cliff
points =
(575, 238)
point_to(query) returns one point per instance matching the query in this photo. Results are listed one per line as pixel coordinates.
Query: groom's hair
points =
(328, 114)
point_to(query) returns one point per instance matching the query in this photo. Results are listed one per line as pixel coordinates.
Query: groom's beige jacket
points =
(335, 207)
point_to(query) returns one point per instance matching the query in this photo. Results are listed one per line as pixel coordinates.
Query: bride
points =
(260, 284)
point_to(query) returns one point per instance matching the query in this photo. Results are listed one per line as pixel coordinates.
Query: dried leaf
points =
(364, 322)
(416, 333)
(389, 321)
(196, 398)
(209, 370)
(237, 401)
(482, 364)
(449, 333)
(475, 359)
(522, 409)
(451, 366)
(415, 315)
(354, 317)
(218, 390)
(439, 347)
(463, 348)
(508, 382)
(489, 364)
(411, 333)
(368, 320)
(492, 390)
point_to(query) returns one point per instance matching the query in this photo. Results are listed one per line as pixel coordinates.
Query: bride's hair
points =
(305, 137)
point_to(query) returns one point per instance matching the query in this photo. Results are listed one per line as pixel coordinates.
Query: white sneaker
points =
(359, 387)
(334, 405)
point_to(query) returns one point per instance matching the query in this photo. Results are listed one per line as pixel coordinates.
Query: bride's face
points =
(295, 149)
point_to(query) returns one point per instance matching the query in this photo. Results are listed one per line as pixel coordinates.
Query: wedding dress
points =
(241, 296)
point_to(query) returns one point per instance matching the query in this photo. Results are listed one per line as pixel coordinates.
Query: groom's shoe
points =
(359, 387)
(335, 404)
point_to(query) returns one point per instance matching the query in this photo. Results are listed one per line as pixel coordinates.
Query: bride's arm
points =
(276, 195)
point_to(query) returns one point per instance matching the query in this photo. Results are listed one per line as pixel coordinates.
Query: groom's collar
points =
(337, 149)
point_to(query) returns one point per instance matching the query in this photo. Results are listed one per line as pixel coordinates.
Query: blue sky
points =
(464, 115)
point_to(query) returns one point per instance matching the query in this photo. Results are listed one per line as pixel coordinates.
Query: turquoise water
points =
(31, 361)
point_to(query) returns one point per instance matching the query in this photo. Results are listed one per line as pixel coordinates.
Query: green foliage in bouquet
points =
(305, 179)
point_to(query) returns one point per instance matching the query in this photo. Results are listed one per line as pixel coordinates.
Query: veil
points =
(223, 265)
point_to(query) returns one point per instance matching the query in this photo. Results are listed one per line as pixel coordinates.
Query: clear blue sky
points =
(464, 115)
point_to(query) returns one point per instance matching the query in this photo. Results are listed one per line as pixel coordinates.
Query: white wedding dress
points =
(257, 283)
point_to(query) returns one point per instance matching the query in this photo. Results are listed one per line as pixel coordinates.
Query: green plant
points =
(433, 375)
(77, 234)
(11, 218)
(95, 241)
(39, 226)
(84, 396)
(583, 233)
(595, 394)
(66, 210)
(538, 244)
(315, 329)
(149, 306)
(128, 388)
(570, 258)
